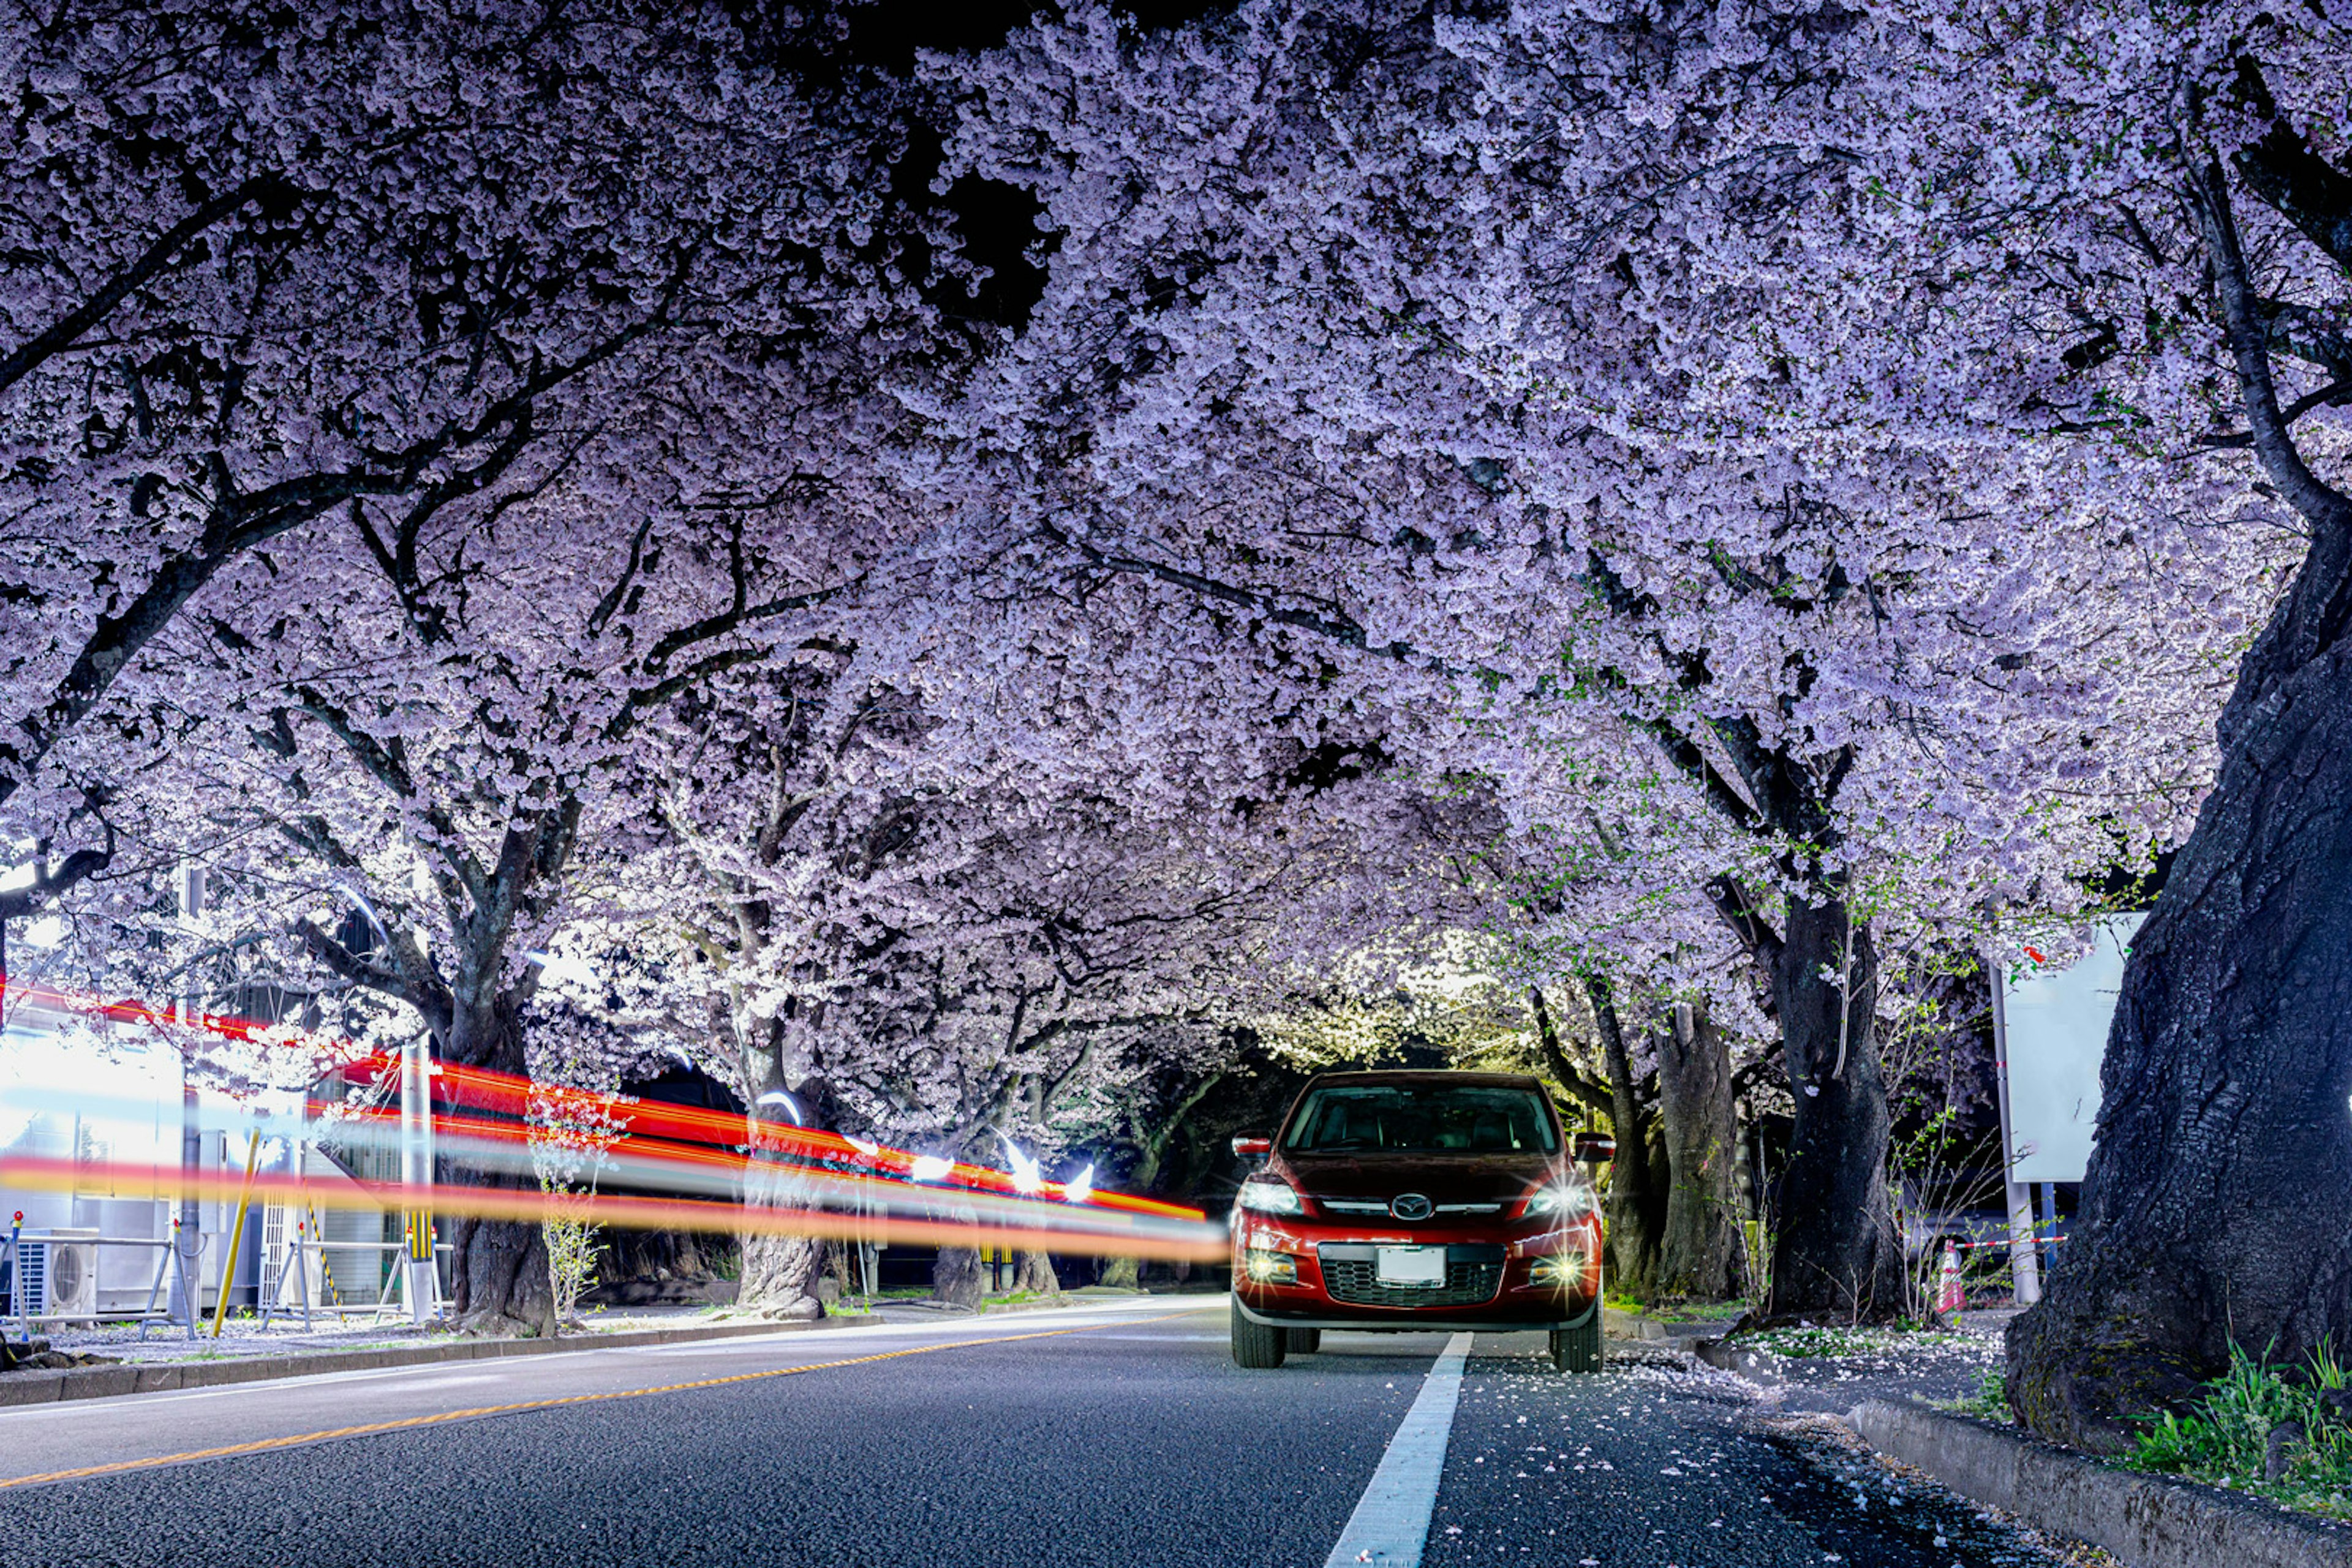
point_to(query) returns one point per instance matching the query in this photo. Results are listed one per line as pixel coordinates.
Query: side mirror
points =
(1594, 1148)
(1250, 1148)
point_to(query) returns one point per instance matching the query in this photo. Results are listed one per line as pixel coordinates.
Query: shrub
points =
(2226, 1439)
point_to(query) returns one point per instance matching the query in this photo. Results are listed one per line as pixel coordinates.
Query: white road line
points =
(1391, 1523)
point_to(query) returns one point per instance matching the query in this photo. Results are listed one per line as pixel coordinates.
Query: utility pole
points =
(416, 1173)
(187, 1286)
(2024, 1262)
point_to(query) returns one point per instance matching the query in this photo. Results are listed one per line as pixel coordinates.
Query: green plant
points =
(1989, 1403)
(2225, 1439)
(1681, 1311)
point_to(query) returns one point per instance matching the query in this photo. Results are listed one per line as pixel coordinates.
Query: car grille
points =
(1352, 1274)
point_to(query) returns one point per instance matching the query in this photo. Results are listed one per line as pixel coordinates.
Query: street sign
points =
(2055, 1031)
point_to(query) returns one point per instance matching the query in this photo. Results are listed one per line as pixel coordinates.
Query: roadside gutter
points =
(2146, 1520)
(2150, 1522)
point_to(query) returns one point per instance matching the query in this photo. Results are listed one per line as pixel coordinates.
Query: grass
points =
(1989, 1403)
(1680, 1312)
(2224, 1441)
(1011, 1298)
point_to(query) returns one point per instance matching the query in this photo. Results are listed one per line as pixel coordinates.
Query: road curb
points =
(1761, 1368)
(153, 1377)
(2150, 1522)
(1619, 1323)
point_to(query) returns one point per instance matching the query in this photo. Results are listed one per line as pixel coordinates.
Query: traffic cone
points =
(1950, 1295)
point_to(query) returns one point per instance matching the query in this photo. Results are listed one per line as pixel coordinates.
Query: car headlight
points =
(1271, 1197)
(1567, 1202)
(1271, 1267)
(1564, 1271)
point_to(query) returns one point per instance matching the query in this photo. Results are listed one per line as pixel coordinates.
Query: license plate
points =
(1413, 1266)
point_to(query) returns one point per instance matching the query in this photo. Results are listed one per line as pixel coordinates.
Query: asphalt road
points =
(1114, 1435)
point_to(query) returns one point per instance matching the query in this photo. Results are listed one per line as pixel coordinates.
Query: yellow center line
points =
(264, 1445)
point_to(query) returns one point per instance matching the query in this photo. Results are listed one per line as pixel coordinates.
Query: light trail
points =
(687, 1164)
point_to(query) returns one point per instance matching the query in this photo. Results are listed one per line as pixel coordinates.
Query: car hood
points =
(1441, 1178)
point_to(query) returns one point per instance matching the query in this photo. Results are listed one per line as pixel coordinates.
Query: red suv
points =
(1418, 1200)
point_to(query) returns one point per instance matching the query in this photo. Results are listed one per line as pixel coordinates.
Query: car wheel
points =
(1256, 1345)
(1577, 1349)
(1302, 1342)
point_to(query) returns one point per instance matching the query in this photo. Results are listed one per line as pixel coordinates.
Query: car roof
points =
(1428, 1075)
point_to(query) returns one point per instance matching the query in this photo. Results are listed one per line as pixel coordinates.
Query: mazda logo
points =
(1412, 1205)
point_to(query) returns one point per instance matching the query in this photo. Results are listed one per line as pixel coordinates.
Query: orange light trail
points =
(849, 1190)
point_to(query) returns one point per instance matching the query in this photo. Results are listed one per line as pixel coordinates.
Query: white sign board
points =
(2055, 1025)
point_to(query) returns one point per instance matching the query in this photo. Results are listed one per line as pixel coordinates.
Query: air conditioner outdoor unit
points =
(58, 1273)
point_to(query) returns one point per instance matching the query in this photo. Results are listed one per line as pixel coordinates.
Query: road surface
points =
(1117, 1434)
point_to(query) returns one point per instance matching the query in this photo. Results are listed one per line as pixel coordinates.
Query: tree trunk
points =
(1699, 1249)
(501, 1280)
(780, 1270)
(2214, 1206)
(1834, 1251)
(1034, 1271)
(1634, 1209)
(955, 1277)
(1123, 1274)
(500, 1284)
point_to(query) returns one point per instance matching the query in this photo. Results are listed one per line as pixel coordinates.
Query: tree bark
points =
(1700, 1247)
(1634, 1208)
(1834, 1252)
(499, 1279)
(780, 1270)
(1034, 1271)
(2214, 1207)
(957, 1277)
(2213, 1210)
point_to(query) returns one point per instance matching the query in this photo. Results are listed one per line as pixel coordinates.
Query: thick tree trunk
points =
(2214, 1208)
(1834, 1251)
(780, 1270)
(1034, 1271)
(501, 1280)
(957, 1277)
(500, 1284)
(1699, 1248)
(1123, 1274)
(1634, 1208)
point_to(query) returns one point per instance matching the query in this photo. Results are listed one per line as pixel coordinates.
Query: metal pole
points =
(417, 1176)
(236, 1232)
(9, 1274)
(186, 1304)
(2024, 1266)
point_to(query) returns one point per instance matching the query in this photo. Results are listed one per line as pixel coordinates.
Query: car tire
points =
(1302, 1341)
(1577, 1349)
(1258, 1346)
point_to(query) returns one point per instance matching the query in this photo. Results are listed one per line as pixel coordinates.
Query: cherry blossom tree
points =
(616, 353)
(2183, 209)
(1487, 365)
(262, 267)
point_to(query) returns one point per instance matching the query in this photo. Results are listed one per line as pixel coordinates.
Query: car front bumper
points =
(1500, 1278)
(1398, 1323)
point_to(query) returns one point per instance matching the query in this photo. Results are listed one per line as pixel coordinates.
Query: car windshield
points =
(1421, 1119)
